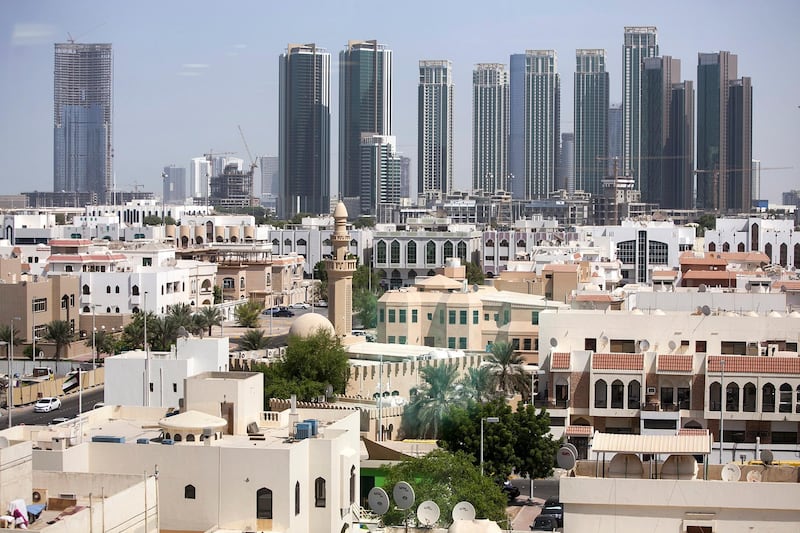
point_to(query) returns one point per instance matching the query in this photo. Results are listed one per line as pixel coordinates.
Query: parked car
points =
(555, 509)
(270, 311)
(300, 305)
(283, 312)
(58, 420)
(510, 491)
(322, 303)
(544, 523)
(45, 405)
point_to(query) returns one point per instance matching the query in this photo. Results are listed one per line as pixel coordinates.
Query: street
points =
(69, 409)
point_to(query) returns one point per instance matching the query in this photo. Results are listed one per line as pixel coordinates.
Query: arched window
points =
(521, 244)
(504, 243)
(352, 484)
(412, 274)
(430, 253)
(462, 252)
(395, 252)
(732, 397)
(276, 243)
(86, 289)
(712, 247)
(490, 243)
(108, 289)
(715, 396)
(326, 242)
(116, 289)
(354, 243)
(768, 251)
(784, 255)
(411, 253)
(108, 309)
(301, 242)
(634, 394)
(135, 290)
(600, 394)
(319, 492)
(220, 238)
(241, 283)
(189, 492)
(297, 498)
(206, 285)
(749, 397)
(178, 437)
(617, 394)
(726, 247)
(190, 437)
(381, 252)
(86, 309)
(740, 247)
(431, 273)
(785, 405)
(447, 250)
(768, 398)
(264, 503)
(68, 268)
(754, 238)
(116, 309)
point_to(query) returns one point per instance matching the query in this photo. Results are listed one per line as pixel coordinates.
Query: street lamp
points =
(488, 420)
(9, 401)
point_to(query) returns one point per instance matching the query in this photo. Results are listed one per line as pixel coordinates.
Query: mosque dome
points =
(308, 324)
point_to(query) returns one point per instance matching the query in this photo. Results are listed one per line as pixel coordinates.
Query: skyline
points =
(212, 76)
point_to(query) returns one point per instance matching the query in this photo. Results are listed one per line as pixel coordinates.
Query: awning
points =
(579, 431)
(653, 444)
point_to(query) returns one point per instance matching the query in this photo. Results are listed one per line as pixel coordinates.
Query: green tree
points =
(217, 294)
(106, 344)
(182, 313)
(446, 478)
(60, 333)
(430, 401)
(298, 218)
(309, 366)
(247, 314)
(133, 333)
(366, 279)
(365, 305)
(163, 333)
(534, 447)
(478, 385)
(253, 339)
(364, 222)
(321, 274)
(211, 316)
(152, 220)
(169, 221)
(7, 332)
(475, 274)
(706, 222)
(507, 366)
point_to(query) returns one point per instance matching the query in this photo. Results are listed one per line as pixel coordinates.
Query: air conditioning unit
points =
(39, 496)
(651, 390)
(68, 496)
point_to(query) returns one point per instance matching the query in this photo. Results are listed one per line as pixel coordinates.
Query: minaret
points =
(340, 271)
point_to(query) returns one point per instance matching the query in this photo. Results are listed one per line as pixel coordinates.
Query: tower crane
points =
(253, 166)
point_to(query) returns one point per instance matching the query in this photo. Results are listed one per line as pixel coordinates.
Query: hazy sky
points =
(186, 73)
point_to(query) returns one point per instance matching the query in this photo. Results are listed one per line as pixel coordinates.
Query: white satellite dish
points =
(672, 345)
(731, 472)
(378, 500)
(603, 340)
(644, 345)
(571, 447)
(428, 513)
(464, 511)
(754, 476)
(41, 354)
(565, 458)
(403, 495)
(3, 442)
(553, 342)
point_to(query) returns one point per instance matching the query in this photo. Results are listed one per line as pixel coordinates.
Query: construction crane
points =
(253, 166)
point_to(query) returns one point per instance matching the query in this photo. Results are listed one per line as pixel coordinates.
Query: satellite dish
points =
(3, 442)
(464, 511)
(672, 345)
(767, 457)
(183, 333)
(706, 310)
(644, 345)
(731, 472)
(378, 500)
(571, 447)
(428, 513)
(565, 458)
(604, 340)
(553, 342)
(41, 354)
(475, 288)
(403, 495)
(702, 287)
(754, 476)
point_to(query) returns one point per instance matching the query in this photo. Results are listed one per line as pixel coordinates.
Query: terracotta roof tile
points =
(675, 363)
(560, 361)
(792, 285)
(692, 431)
(618, 361)
(557, 267)
(579, 431)
(745, 364)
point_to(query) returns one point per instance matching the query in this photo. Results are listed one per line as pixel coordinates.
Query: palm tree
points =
(253, 339)
(247, 314)
(59, 332)
(9, 332)
(211, 317)
(162, 332)
(198, 325)
(478, 385)
(104, 340)
(182, 313)
(506, 364)
(431, 401)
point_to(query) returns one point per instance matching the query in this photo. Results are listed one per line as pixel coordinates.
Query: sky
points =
(187, 73)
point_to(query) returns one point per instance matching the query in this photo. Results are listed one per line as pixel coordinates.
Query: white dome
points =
(308, 324)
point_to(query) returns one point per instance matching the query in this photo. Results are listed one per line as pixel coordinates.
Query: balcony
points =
(345, 264)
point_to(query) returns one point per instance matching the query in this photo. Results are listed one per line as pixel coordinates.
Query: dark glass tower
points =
(640, 42)
(82, 119)
(591, 119)
(435, 129)
(305, 130)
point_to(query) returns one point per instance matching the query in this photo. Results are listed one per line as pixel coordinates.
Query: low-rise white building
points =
(776, 238)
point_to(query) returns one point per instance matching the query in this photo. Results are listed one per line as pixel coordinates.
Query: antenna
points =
(378, 500)
(403, 495)
(463, 511)
(428, 513)
(731, 472)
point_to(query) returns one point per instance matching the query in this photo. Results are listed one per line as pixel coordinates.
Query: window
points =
(413, 316)
(749, 403)
(352, 484)
(462, 343)
(147, 261)
(39, 305)
(71, 301)
(135, 290)
(264, 503)
(319, 492)
(402, 316)
(462, 317)
(785, 405)
(86, 290)
(430, 253)
(116, 289)
(526, 344)
(534, 317)
(228, 283)
(600, 394)
(462, 252)
(486, 316)
(626, 252)
(451, 316)
(715, 397)
(700, 346)
(108, 289)
(174, 387)
(241, 282)
(401, 339)
(447, 250)
(732, 397)
(381, 253)
(390, 339)
(634, 394)
(297, 498)
(68, 268)
(430, 317)
(395, 252)
(451, 343)
(657, 252)
(189, 492)
(392, 313)
(381, 315)
(411, 253)
(617, 394)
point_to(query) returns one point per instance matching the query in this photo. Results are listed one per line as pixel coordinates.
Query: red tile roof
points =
(556, 267)
(70, 242)
(745, 364)
(710, 274)
(596, 298)
(788, 285)
(560, 361)
(618, 361)
(579, 431)
(692, 431)
(675, 363)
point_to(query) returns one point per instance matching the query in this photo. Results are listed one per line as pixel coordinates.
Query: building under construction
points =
(232, 188)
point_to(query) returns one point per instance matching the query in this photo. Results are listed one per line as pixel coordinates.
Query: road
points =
(69, 409)
(542, 488)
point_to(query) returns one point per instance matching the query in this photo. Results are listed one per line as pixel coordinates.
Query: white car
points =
(45, 405)
(300, 305)
(322, 303)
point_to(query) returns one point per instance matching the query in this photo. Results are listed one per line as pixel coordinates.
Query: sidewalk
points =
(526, 512)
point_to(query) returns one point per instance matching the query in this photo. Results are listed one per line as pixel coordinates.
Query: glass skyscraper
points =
(435, 129)
(591, 119)
(380, 176)
(305, 131)
(490, 127)
(640, 43)
(365, 106)
(82, 119)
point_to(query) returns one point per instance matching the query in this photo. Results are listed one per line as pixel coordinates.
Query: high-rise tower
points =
(435, 129)
(533, 162)
(380, 176)
(365, 106)
(305, 131)
(83, 147)
(591, 119)
(490, 127)
(640, 43)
